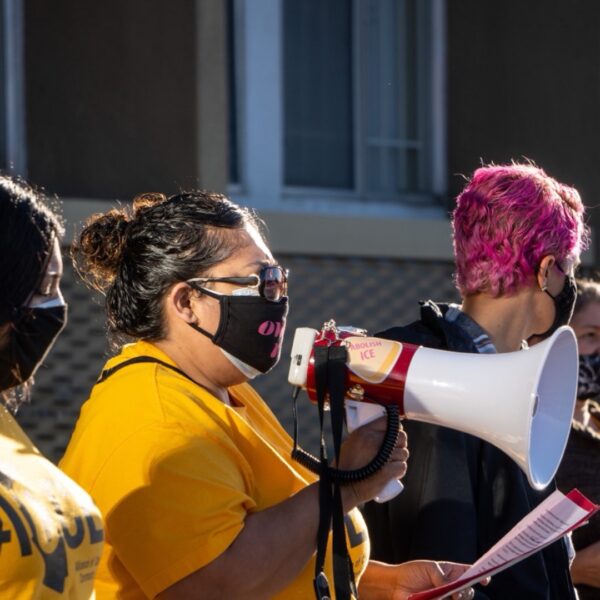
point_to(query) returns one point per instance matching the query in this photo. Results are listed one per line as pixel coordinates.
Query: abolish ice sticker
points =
(372, 359)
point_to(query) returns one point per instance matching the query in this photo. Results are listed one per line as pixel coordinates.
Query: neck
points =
(506, 319)
(180, 355)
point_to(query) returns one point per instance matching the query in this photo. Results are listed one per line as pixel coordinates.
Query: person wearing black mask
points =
(187, 462)
(581, 463)
(50, 531)
(518, 235)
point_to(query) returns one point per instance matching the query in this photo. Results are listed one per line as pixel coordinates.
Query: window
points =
(342, 103)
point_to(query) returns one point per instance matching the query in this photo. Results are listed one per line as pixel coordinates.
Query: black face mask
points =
(588, 384)
(33, 333)
(250, 328)
(564, 304)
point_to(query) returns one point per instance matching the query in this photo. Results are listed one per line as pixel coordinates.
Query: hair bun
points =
(147, 200)
(98, 251)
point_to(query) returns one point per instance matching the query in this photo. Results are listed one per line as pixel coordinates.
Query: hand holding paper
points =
(407, 578)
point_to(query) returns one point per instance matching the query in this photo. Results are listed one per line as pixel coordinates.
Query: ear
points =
(542, 275)
(181, 302)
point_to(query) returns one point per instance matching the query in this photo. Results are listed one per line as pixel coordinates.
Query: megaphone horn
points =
(521, 402)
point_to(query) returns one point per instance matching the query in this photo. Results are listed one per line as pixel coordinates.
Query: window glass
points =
(392, 137)
(318, 104)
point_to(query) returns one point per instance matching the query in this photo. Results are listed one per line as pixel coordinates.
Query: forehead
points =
(588, 316)
(252, 249)
(257, 240)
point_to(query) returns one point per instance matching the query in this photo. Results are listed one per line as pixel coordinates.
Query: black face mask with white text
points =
(250, 330)
(33, 332)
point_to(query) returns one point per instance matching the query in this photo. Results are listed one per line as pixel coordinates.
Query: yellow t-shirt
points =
(50, 531)
(175, 471)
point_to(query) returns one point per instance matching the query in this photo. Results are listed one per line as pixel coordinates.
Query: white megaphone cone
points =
(521, 402)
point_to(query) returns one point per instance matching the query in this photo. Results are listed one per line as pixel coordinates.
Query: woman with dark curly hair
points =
(581, 464)
(50, 531)
(188, 464)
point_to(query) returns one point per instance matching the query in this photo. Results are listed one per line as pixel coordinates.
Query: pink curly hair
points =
(507, 218)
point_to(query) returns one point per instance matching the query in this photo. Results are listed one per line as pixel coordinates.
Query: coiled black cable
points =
(390, 439)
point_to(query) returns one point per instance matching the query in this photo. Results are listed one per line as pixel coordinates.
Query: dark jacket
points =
(461, 494)
(580, 468)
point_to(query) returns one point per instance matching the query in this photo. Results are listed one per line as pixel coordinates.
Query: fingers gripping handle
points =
(359, 414)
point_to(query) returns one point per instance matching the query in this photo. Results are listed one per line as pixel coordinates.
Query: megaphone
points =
(521, 402)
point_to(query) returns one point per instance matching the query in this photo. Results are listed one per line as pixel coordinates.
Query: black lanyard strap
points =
(325, 490)
(343, 571)
(330, 375)
(106, 373)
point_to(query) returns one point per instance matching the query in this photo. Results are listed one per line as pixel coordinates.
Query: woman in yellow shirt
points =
(190, 468)
(50, 531)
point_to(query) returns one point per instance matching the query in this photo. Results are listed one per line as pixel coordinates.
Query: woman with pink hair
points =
(518, 234)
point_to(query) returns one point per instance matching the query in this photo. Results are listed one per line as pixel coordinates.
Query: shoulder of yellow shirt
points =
(152, 393)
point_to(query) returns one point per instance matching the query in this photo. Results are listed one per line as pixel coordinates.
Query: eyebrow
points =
(259, 263)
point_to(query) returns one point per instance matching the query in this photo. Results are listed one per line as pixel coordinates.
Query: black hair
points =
(29, 224)
(28, 227)
(135, 256)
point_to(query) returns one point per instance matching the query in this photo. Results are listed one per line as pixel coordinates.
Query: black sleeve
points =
(434, 517)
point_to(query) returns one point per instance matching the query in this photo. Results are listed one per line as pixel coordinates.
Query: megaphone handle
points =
(359, 414)
(391, 490)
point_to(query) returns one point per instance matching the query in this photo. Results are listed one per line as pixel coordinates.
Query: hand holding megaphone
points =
(360, 414)
(521, 402)
(364, 443)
